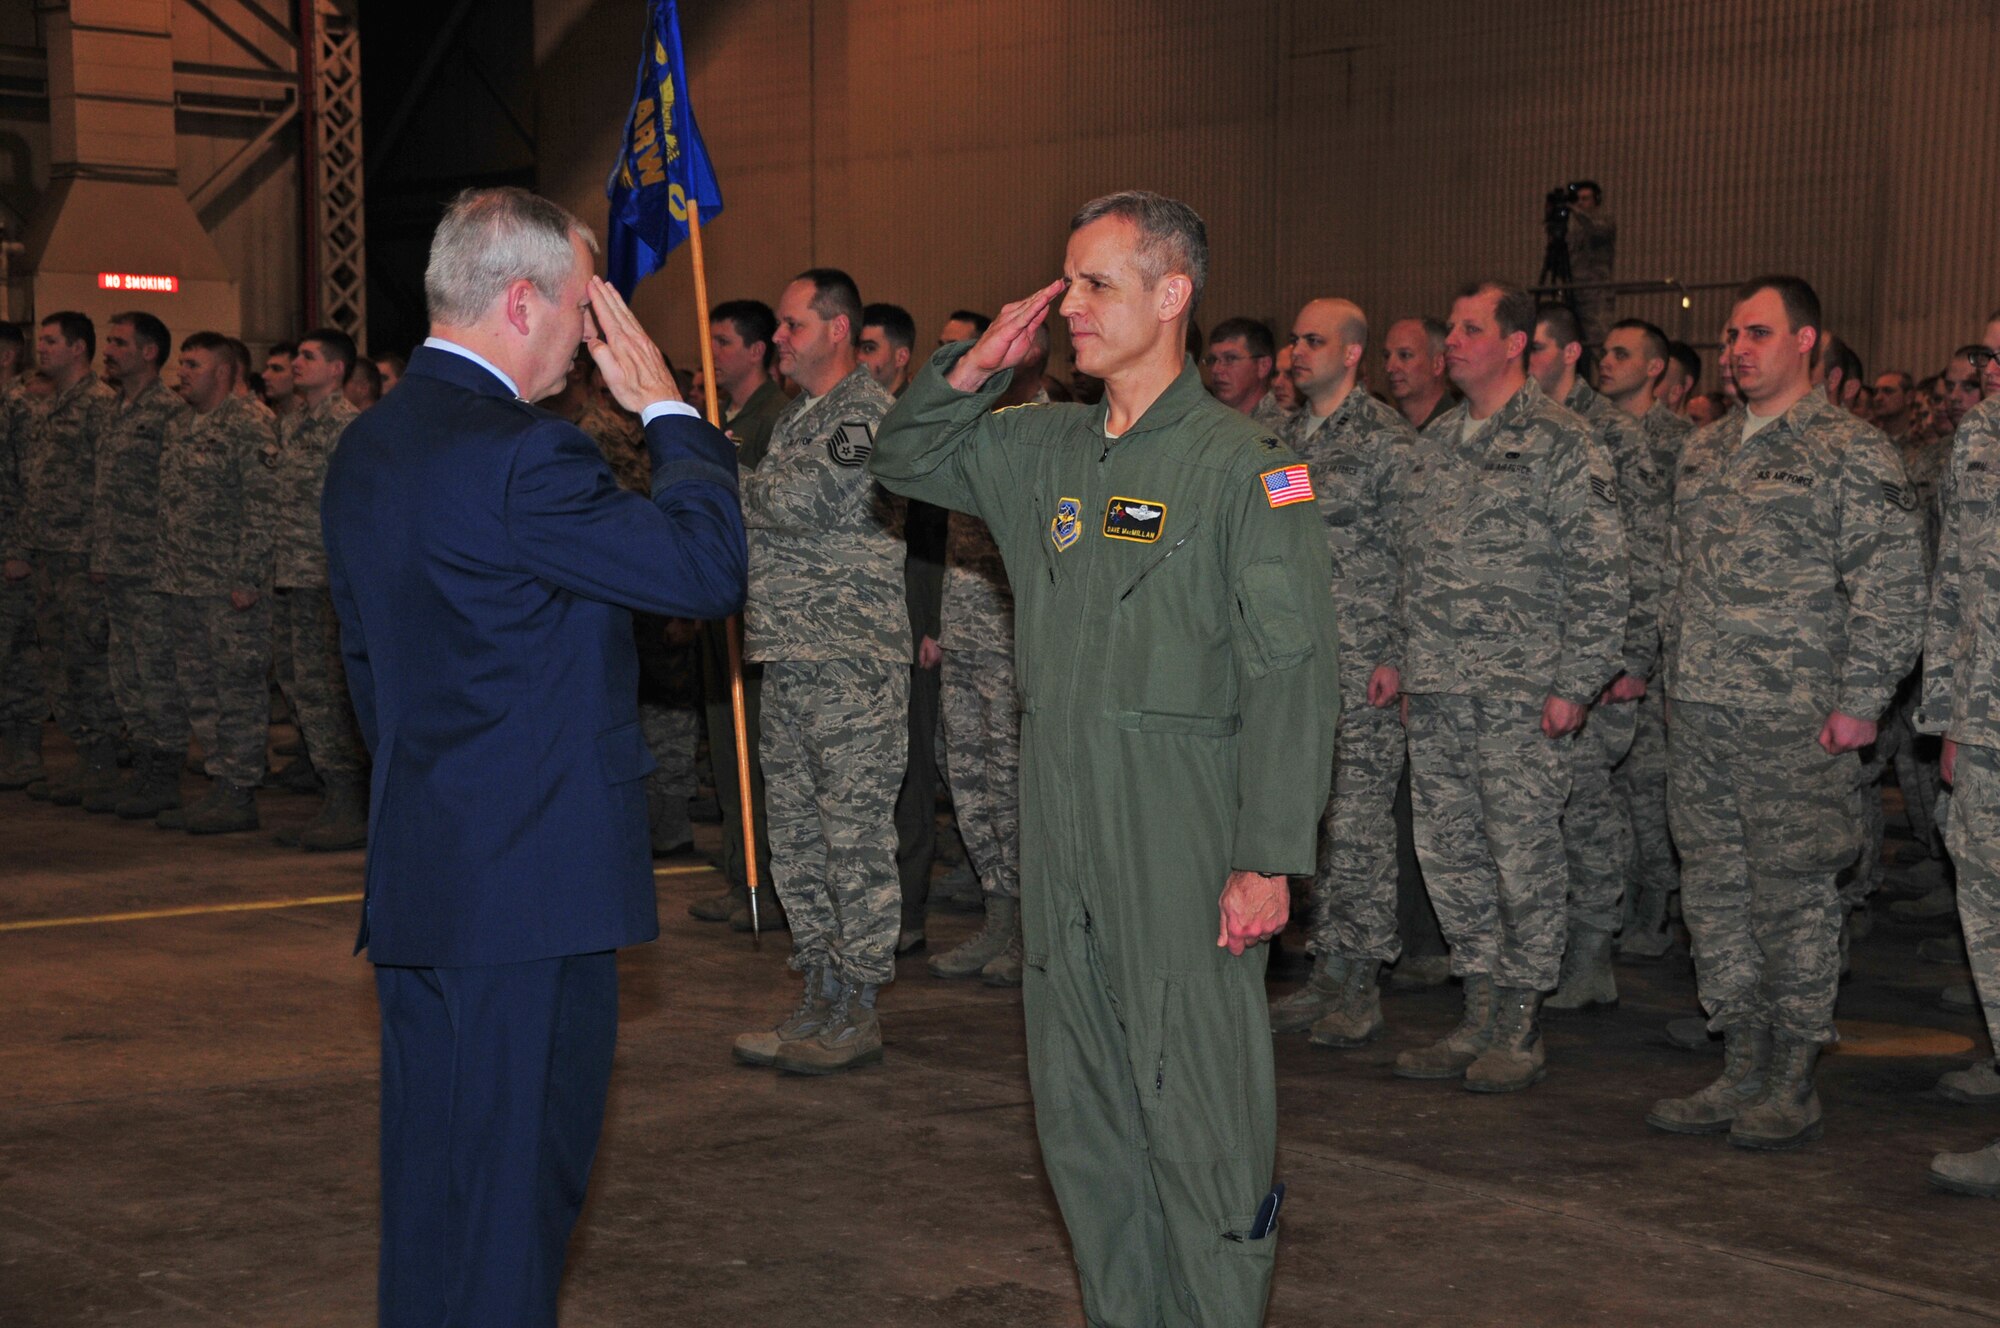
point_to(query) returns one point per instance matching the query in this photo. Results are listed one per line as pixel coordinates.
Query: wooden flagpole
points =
(732, 630)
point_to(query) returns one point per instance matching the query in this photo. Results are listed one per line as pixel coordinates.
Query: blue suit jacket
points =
(484, 565)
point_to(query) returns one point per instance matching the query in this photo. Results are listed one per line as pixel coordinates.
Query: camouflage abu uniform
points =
(303, 606)
(1597, 824)
(124, 543)
(979, 729)
(1800, 591)
(1961, 687)
(23, 702)
(666, 701)
(1513, 590)
(826, 616)
(58, 460)
(1593, 248)
(217, 497)
(1357, 456)
(1269, 413)
(1641, 779)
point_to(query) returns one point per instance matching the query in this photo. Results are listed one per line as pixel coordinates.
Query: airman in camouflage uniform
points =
(124, 541)
(826, 615)
(1357, 449)
(979, 741)
(218, 498)
(1514, 605)
(1593, 252)
(1641, 780)
(298, 459)
(621, 440)
(58, 459)
(1796, 608)
(23, 702)
(667, 698)
(1597, 825)
(1961, 702)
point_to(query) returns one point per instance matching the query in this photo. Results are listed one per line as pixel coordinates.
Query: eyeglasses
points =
(1228, 359)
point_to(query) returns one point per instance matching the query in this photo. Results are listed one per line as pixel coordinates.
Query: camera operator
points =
(1590, 238)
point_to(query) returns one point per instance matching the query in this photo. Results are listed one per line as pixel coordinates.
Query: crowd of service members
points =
(1630, 651)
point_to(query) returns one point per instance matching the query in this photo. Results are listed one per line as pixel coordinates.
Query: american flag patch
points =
(1291, 484)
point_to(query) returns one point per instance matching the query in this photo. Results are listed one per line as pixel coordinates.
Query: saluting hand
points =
(1007, 340)
(634, 369)
(1255, 908)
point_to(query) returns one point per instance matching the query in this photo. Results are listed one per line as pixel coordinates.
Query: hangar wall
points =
(1380, 151)
(233, 75)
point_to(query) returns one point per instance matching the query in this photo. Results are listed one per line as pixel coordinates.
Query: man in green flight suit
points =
(1179, 674)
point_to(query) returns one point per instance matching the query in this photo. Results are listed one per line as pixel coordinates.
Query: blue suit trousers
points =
(493, 1093)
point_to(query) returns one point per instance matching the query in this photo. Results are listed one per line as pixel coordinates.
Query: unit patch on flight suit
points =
(1134, 519)
(1067, 524)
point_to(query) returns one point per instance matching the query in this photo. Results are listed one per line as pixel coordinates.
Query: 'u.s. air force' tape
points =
(850, 444)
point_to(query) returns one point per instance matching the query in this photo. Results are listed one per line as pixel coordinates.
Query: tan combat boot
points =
(1516, 1059)
(1303, 1008)
(815, 1002)
(851, 1036)
(1974, 1086)
(1587, 981)
(1787, 1115)
(1003, 920)
(1356, 1017)
(1448, 1057)
(1746, 1054)
(1977, 1172)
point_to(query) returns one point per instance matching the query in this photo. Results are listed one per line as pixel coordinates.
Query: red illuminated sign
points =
(132, 281)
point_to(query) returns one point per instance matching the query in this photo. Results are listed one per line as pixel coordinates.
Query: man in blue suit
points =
(485, 566)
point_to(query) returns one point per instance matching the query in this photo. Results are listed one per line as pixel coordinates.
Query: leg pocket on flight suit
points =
(1193, 1068)
(1051, 1046)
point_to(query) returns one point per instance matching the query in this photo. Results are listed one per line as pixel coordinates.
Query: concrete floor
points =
(187, 1134)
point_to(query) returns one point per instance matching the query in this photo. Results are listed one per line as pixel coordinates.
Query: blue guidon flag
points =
(1288, 484)
(661, 164)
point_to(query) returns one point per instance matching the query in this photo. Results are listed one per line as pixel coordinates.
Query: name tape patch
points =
(1287, 485)
(1137, 519)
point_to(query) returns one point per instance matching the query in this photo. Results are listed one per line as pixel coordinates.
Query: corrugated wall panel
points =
(1383, 152)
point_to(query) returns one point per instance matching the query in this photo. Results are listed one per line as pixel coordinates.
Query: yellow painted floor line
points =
(254, 906)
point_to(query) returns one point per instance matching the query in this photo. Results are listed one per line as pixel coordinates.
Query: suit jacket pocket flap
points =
(624, 755)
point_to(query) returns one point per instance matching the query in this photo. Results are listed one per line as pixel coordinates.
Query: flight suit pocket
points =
(1267, 598)
(623, 754)
(1160, 721)
(1052, 1069)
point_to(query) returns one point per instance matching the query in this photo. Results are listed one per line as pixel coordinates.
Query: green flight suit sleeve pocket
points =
(1279, 635)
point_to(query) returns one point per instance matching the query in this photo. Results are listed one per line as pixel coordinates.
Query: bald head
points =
(1328, 337)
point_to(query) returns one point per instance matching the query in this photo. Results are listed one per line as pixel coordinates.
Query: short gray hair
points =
(491, 238)
(1172, 237)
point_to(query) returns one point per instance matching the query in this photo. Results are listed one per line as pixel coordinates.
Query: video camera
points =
(1555, 208)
